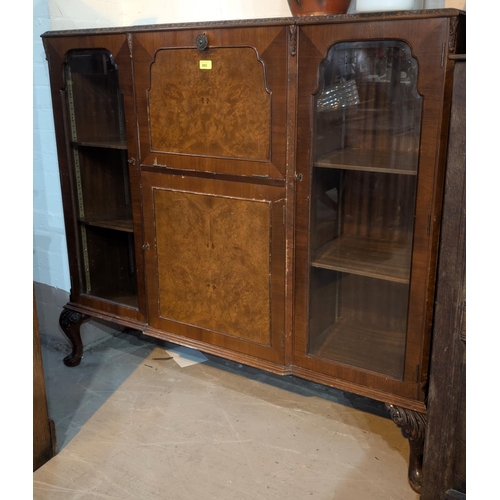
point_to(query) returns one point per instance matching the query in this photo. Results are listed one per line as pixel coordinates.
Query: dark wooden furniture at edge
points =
(44, 437)
(268, 191)
(444, 459)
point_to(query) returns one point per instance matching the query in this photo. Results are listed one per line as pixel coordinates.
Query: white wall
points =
(50, 259)
(67, 14)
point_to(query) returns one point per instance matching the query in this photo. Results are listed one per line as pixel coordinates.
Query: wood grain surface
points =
(230, 119)
(213, 262)
(216, 261)
(396, 162)
(44, 439)
(366, 257)
(445, 447)
(102, 200)
(235, 146)
(223, 111)
(356, 345)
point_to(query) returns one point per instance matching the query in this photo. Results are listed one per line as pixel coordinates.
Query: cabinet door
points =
(215, 263)
(91, 81)
(216, 109)
(370, 110)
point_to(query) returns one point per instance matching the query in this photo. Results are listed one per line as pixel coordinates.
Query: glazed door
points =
(215, 259)
(94, 114)
(213, 100)
(369, 117)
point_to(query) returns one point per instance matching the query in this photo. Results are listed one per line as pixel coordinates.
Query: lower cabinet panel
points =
(216, 261)
(213, 262)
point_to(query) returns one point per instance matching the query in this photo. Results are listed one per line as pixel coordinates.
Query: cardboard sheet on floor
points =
(184, 356)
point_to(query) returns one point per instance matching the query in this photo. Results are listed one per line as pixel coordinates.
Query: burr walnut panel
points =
(213, 272)
(222, 111)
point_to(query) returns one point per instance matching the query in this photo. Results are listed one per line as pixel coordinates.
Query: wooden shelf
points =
(363, 256)
(125, 225)
(129, 300)
(101, 144)
(361, 346)
(390, 162)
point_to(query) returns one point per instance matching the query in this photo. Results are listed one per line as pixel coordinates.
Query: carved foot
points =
(413, 425)
(70, 322)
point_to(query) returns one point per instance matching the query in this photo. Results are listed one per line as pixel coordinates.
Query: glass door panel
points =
(96, 126)
(366, 137)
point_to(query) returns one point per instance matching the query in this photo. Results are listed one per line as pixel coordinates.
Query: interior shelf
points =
(364, 256)
(129, 300)
(392, 162)
(373, 349)
(101, 144)
(125, 225)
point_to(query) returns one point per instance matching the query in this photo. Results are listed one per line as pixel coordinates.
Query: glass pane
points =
(366, 141)
(96, 125)
(95, 98)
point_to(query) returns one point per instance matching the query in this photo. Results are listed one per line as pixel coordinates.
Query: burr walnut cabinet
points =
(268, 191)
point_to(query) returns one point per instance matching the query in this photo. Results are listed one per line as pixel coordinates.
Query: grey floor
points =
(132, 426)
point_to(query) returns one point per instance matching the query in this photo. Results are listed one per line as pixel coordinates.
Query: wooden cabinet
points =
(445, 446)
(216, 250)
(269, 191)
(221, 109)
(369, 200)
(93, 103)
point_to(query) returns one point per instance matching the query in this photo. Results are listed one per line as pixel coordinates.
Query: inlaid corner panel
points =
(213, 100)
(218, 248)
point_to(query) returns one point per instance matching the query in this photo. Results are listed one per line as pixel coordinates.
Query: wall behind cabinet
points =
(68, 14)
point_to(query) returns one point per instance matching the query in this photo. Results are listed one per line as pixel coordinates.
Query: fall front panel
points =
(219, 109)
(213, 104)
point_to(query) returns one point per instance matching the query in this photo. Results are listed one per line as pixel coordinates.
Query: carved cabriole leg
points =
(70, 322)
(413, 425)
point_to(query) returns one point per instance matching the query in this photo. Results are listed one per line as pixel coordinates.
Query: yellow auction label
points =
(205, 64)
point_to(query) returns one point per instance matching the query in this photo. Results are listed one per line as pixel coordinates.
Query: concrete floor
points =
(130, 426)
